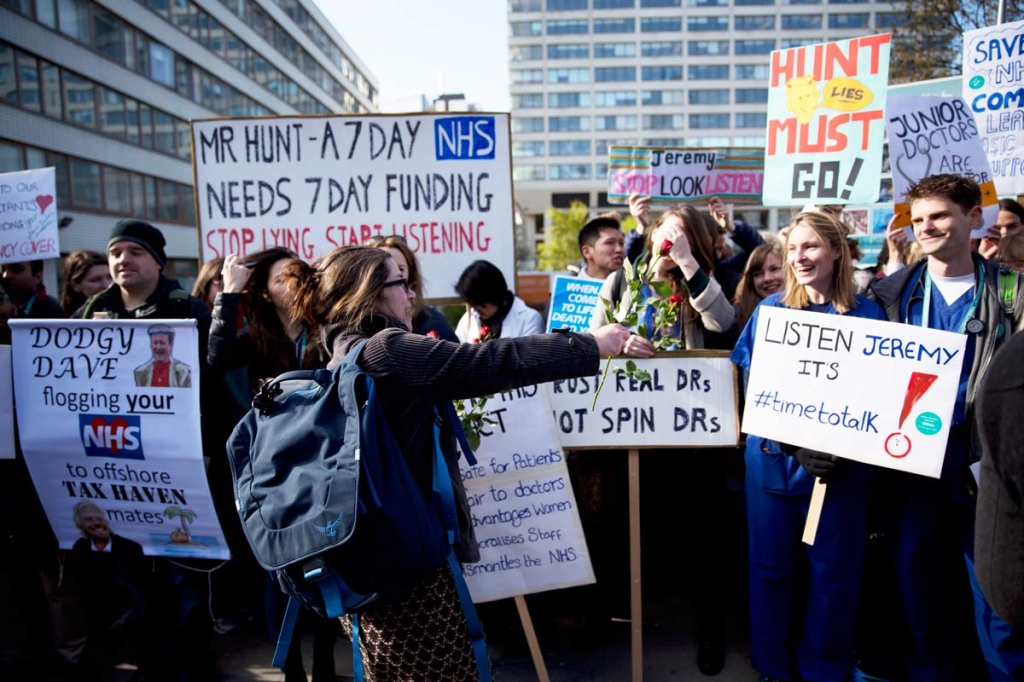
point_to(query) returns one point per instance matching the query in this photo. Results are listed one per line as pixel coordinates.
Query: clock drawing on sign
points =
(897, 445)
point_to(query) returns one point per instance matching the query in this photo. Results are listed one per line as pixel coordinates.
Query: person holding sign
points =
(932, 521)
(819, 645)
(358, 293)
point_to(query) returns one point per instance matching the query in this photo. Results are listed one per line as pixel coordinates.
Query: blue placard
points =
(572, 302)
(464, 138)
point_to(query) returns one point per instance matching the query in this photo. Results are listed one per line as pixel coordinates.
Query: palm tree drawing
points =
(185, 516)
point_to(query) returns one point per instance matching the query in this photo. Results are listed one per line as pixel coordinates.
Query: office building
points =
(587, 74)
(103, 91)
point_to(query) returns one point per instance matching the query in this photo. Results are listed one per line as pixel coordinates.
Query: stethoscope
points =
(970, 324)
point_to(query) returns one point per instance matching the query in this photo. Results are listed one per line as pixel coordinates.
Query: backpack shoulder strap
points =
(1008, 284)
(89, 306)
(618, 288)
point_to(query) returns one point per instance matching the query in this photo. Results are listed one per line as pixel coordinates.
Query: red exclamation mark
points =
(898, 445)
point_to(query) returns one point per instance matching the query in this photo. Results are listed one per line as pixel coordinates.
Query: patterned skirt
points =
(423, 638)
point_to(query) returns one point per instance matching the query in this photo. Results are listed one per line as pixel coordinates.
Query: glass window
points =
(34, 158)
(849, 20)
(801, 2)
(131, 120)
(749, 141)
(660, 3)
(847, 2)
(662, 73)
(46, 13)
(704, 47)
(568, 124)
(709, 120)
(569, 51)
(798, 42)
(60, 167)
(614, 4)
(161, 64)
(163, 132)
(763, 22)
(614, 25)
(740, 3)
(662, 49)
(188, 205)
(707, 24)
(79, 100)
(662, 97)
(12, 158)
(600, 171)
(568, 75)
(568, 99)
(563, 27)
(708, 141)
(146, 125)
(752, 72)
(887, 19)
(53, 104)
(138, 196)
(522, 76)
(85, 184)
(528, 148)
(112, 119)
(565, 5)
(751, 120)
(709, 96)
(751, 95)
(167, 206)
(601, 146)
(663, 121)
(525, 5)
(531, 101)
(569, 171)
(754, 46)
(74, 19)
(792, 22)
(707, 72)
(525, 53)
(527, 125)
(665, 142)
(616, 98)
(107, 34)
(615, 122)
(569, 148)
(28, 82)
(603, 50)
(184, 133)
(527, 28)
(117, 192)
(521, 173)
(707, 3)
(661, 24)
(617, 73)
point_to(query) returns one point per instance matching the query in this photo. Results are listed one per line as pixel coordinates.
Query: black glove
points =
(817, 463)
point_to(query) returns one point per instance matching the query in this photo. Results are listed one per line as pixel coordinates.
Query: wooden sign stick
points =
(814, 511)
(531, 639)
(635, 593)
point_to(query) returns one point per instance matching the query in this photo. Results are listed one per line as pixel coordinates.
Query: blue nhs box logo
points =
(464, 138)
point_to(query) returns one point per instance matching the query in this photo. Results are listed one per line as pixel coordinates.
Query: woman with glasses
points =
(359, 293)
(491, 305)
(425, 319)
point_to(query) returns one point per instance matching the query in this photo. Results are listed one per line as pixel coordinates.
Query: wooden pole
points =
(531, 639)
(814, 511)
(635, 592)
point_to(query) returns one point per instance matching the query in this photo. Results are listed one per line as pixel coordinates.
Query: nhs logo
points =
(464, 137)
(118, 436)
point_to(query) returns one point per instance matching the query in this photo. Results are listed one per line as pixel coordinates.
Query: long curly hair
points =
(344, 289)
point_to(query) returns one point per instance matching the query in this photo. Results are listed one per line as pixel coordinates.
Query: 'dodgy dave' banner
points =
(108, 419)
(441, 181)
(871, 391)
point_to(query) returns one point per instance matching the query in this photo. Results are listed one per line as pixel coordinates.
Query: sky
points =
(405, 44)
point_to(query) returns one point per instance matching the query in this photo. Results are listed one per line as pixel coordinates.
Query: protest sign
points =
(994, 86)
(521, 501)
(572, 301)
(28, 216)
(930, 135)
(690, 401)
(6, 405)
(442, 182)
(825, 132)
(670, 175)
(96, 428)
(871, 391)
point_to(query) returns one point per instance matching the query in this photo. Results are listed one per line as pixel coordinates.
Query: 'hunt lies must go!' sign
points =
(441, 182)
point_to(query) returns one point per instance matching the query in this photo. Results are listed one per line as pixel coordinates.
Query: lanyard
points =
(979, 288)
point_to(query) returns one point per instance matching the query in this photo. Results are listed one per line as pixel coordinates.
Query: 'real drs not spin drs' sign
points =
(443, 183)
(825, 129)
(108, 420)
(871, 391)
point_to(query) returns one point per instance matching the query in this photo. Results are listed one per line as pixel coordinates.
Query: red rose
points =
(485, 332)
(476, 340)
(675, 300)
(666, 246)
(432, 334)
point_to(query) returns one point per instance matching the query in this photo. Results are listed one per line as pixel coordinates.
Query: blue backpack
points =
(329, 505)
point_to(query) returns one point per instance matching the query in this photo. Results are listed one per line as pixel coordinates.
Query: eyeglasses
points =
(383, 239)
(404, 283)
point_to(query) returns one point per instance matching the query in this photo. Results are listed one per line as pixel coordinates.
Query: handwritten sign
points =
(572, 303)
(929, 135)
(669, 175)
(871, 391)
(94, 430)
(994, 87)
(690, 401)
(523, 509)
(6, 405)
(825, 111)
(28, 216)
(442, 182)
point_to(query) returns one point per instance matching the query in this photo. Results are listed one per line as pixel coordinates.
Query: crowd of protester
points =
(910, 578)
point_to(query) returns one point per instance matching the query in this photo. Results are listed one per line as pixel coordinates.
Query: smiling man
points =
(932, 521)
(163, 370)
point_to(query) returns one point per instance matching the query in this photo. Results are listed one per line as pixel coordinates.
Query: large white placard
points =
(871, 391)
(994, 88)
(6, 405)
(524, 512)
(28, 216)
(441, 181)
(93, 428)
(690, 401)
